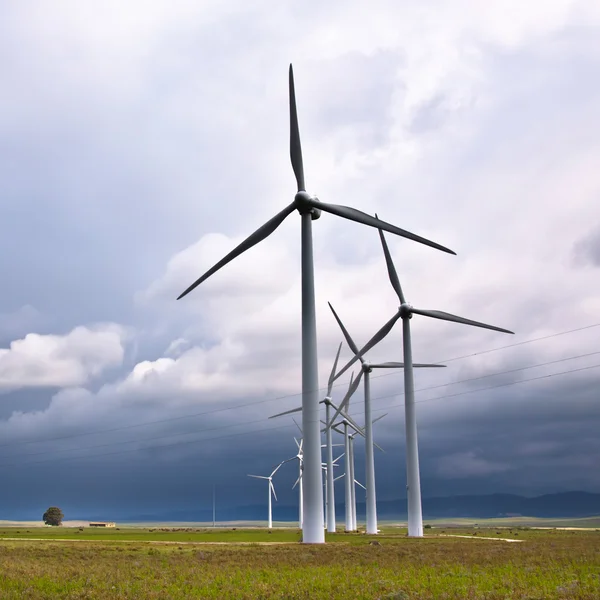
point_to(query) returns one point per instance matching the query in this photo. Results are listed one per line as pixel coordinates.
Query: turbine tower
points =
(405, 312)
(310, 209)
(367, 368)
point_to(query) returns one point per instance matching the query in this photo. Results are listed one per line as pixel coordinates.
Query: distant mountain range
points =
(561, 505)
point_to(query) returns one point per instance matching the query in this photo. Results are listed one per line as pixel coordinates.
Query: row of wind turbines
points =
(310, 209)
(342, 427)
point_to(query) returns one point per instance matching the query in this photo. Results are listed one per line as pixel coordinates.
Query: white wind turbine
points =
(351, 437)
(328, 499)
(405, 312)
(330, 510)
(298, 482)
(310, 209)
(348, 462)
(352, 489)
(300, 458)
(366, 369)
(347, 421)
(269, 478)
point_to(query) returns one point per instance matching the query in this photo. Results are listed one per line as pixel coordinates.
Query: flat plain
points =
(178, 563)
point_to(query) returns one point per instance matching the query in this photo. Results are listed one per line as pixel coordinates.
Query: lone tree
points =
(53, 516)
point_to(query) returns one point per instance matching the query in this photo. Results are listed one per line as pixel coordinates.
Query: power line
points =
(493, 387)
(544, 364)
(288, 425)
(138, 440)
(256, 402)
(545, 337)
(175, 434)
(36, 462)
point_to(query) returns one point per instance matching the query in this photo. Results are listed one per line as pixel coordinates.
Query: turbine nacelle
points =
(303, 201)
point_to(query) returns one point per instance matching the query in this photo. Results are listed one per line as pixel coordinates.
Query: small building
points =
(102, 524)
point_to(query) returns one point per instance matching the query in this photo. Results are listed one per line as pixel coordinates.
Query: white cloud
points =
(60, 361)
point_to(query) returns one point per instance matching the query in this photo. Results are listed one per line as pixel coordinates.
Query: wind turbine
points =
(350, 445)
(405, 312)
(330, 511)
(367, 368)
(350, 502)
(269, 478)
(328, 493)
(310, 209)
(300, 457)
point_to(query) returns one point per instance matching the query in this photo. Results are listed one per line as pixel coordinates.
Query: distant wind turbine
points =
(350, 445)
(269, 478)
(405, 312)
(310, 209)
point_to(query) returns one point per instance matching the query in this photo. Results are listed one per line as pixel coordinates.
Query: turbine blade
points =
(372, 342)
(349, 339)
(338, 458)
(378, 447)
(332, 375)
(300, 428)
(295, 147)
(360, 217)
(354, 424)
(444, 316)
(359, 483)
(400, 365)
(353, 387)
(339, 477)
(379, 418)
(295, 484)
(258, 476)
(357, 428)
(273, 490)
(277, 468)
(259, 235)
(391, 269)
(287, 412)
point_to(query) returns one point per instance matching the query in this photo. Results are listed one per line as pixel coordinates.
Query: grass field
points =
(143, 563)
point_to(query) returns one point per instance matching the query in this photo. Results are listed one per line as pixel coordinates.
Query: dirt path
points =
(478, 537)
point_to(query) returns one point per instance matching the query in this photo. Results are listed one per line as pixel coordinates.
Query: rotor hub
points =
(406, 310)
(304, 207)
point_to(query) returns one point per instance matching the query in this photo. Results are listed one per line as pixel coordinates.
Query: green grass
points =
(549, 564)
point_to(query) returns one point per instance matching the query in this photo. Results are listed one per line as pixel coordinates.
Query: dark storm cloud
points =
(109, 163)
(515, 439)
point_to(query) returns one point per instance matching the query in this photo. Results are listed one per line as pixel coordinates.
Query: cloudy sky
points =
(141, 142)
